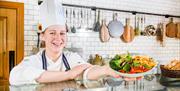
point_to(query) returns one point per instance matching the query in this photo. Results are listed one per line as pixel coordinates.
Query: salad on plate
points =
(129, 65)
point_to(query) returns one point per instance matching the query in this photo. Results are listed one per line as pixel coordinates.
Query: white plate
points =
(138, 74)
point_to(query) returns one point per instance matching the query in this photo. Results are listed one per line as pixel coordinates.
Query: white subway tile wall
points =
(90, 42)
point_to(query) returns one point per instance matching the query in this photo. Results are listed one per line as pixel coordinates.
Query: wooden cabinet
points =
(11, 37)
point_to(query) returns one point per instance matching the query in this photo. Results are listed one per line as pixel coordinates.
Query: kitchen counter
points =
(145, 84)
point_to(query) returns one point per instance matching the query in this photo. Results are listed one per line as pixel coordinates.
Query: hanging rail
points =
(133, 12)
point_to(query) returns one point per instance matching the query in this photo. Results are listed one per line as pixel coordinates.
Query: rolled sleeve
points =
(24, 75)
(26, 72)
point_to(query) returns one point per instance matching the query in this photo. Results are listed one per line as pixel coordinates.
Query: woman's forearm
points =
(57, 76)
(97, 72)
(53, 76)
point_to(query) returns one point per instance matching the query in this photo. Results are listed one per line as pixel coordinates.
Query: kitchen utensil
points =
(160, 33)
(78, 17)
(84, 19)
(171, 29)
(73, 29)
(141, 25)
(70, 19)
(178, 30)
(90, 20)
(115, 27)
(137, 22)
(66, 15)
(104, 32)
(89, 17)
(81, 20)
(150, 30)
(97, 25)
(128, 34)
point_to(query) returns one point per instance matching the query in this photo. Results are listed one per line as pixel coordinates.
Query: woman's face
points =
(55, 38)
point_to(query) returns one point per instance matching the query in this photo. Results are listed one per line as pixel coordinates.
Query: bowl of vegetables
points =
(133, 65)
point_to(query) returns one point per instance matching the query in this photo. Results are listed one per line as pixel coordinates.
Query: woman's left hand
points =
(110, 72)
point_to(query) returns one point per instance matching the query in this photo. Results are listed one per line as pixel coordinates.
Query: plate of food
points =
(133, 65)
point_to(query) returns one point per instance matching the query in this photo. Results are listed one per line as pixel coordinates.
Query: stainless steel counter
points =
(139, 85)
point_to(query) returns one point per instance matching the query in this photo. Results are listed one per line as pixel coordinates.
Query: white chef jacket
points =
(31, 67)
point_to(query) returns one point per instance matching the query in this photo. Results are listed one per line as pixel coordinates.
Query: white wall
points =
(90, 42)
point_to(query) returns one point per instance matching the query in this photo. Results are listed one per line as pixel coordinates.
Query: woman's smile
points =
(56, 44)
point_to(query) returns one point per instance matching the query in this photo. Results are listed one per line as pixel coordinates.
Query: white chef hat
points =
(51, 13)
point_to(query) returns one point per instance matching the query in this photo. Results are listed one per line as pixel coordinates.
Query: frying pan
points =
(115, 27)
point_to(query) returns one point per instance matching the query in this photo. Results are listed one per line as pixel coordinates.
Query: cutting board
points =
(104, 32)
(129, 33)
(171, 29)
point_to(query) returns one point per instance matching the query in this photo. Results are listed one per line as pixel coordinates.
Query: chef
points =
(52, 64)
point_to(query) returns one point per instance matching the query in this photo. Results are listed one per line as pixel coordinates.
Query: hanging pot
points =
(115, 27)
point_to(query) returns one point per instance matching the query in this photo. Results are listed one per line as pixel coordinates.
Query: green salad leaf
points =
(126, 67)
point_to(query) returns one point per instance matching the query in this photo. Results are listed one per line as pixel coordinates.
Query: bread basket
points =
(169, 73)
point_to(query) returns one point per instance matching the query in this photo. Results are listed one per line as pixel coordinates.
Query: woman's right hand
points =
(78, 70)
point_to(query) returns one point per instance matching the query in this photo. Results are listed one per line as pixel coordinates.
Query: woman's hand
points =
(78, 70)
(110, 72)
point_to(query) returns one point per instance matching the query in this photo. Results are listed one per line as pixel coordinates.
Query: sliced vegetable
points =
(115, 64)
(146, 66)
(136, 64)
(127, 67)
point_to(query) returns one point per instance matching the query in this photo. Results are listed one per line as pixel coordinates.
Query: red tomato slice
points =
(122, 71)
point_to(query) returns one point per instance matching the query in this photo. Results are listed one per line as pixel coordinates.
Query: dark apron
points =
(44, 61)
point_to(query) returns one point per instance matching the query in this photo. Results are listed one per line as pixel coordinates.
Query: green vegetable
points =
(128, 58)
(127, 67)
(136, 64)
(121, 62)
(116, 57)
(146, 66)
(115, 64)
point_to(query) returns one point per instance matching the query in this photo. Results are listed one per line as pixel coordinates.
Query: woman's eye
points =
(62, 33)
(52, 33)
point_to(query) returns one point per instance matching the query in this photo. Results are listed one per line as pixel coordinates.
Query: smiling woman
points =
(52, 64)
